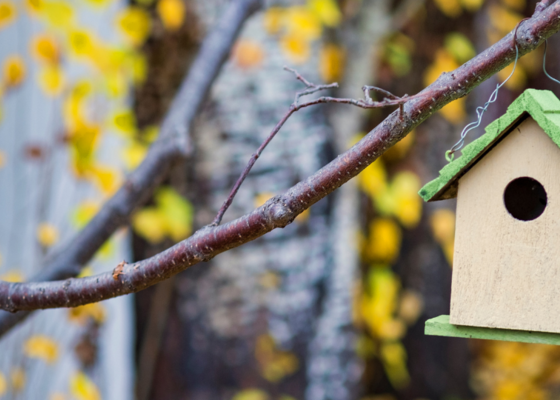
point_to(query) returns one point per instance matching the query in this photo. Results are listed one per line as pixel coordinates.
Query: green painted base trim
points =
(440, 326)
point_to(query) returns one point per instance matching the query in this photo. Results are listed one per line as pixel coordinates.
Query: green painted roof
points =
(542, 105)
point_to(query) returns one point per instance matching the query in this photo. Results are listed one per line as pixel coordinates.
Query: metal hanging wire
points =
(449, 154)
(544, 63)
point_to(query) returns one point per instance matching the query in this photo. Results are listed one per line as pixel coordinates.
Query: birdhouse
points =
(506, 263)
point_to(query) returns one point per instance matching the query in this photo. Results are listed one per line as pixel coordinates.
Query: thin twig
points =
(296, 106)
(281, 210)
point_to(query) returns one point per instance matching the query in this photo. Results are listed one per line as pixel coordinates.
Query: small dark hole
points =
(525, 198)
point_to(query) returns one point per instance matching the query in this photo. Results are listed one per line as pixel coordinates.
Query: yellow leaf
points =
(83, 388)
(81, 315)
(398, 151)
(59, 14)
(407, 204)
(51, 80)
(331, 62)
(150, 224)
(274, 363)
(270, 280)
(304, 216)
(262, 198)
(518, 80)
(73, 110)
(85, 272)
(365, 347)
(18, 379)
(99, 3)
(85, 211)
(410, 307)
(172, 13)
(107, 251)
(472, 5)
(327, 11)
(251, 394)
(42, 347)
(83, 142)
(57, 396)
(394, 357)
(373, 179)
(150, 134)
(300, 22)
(391, 329)
(124, 122)
(460, 47)
(451, 8)
(442, 222)
(45, 49)
(448, 250)
(247, 54)
(397, 53)
(47, 234)
(274, 19)
(177, 211)
(2, 159)
(14, 71)
(133, 154)
(139, 67)
(81, 42)
(295, 48)
(384, 240)
(134, 23)
(34, 6)
(454, 112)
(443, 62)
(116, 85)
(518, 5)
(12, 276)
(106, 178)
(7, 13)
(3, 384)
(503, 19)
(379, 302)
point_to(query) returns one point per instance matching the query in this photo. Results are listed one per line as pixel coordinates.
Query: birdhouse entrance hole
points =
(525, 199)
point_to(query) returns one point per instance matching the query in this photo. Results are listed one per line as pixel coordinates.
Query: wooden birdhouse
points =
(506, 264)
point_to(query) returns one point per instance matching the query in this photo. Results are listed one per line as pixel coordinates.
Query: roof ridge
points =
(542, 105)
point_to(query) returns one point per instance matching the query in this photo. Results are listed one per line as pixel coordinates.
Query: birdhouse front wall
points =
(506, 271)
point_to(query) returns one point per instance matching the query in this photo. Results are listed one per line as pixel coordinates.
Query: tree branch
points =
(389, 100)
(173, 145)
(541, 5)
(281, 210)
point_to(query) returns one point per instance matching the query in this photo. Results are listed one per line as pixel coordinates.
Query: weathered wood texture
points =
(505, 270)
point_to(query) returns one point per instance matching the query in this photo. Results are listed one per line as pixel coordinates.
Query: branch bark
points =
(173, 145)
(281, 210)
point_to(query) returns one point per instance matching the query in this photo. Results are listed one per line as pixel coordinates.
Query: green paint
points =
(542, 105)
(440, 326)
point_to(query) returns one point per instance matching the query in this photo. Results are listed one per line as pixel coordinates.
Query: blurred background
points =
(331, 307)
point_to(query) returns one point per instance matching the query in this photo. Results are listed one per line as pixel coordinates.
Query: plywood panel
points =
(506, 271)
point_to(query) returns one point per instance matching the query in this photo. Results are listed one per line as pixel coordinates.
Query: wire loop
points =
(449, 154)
